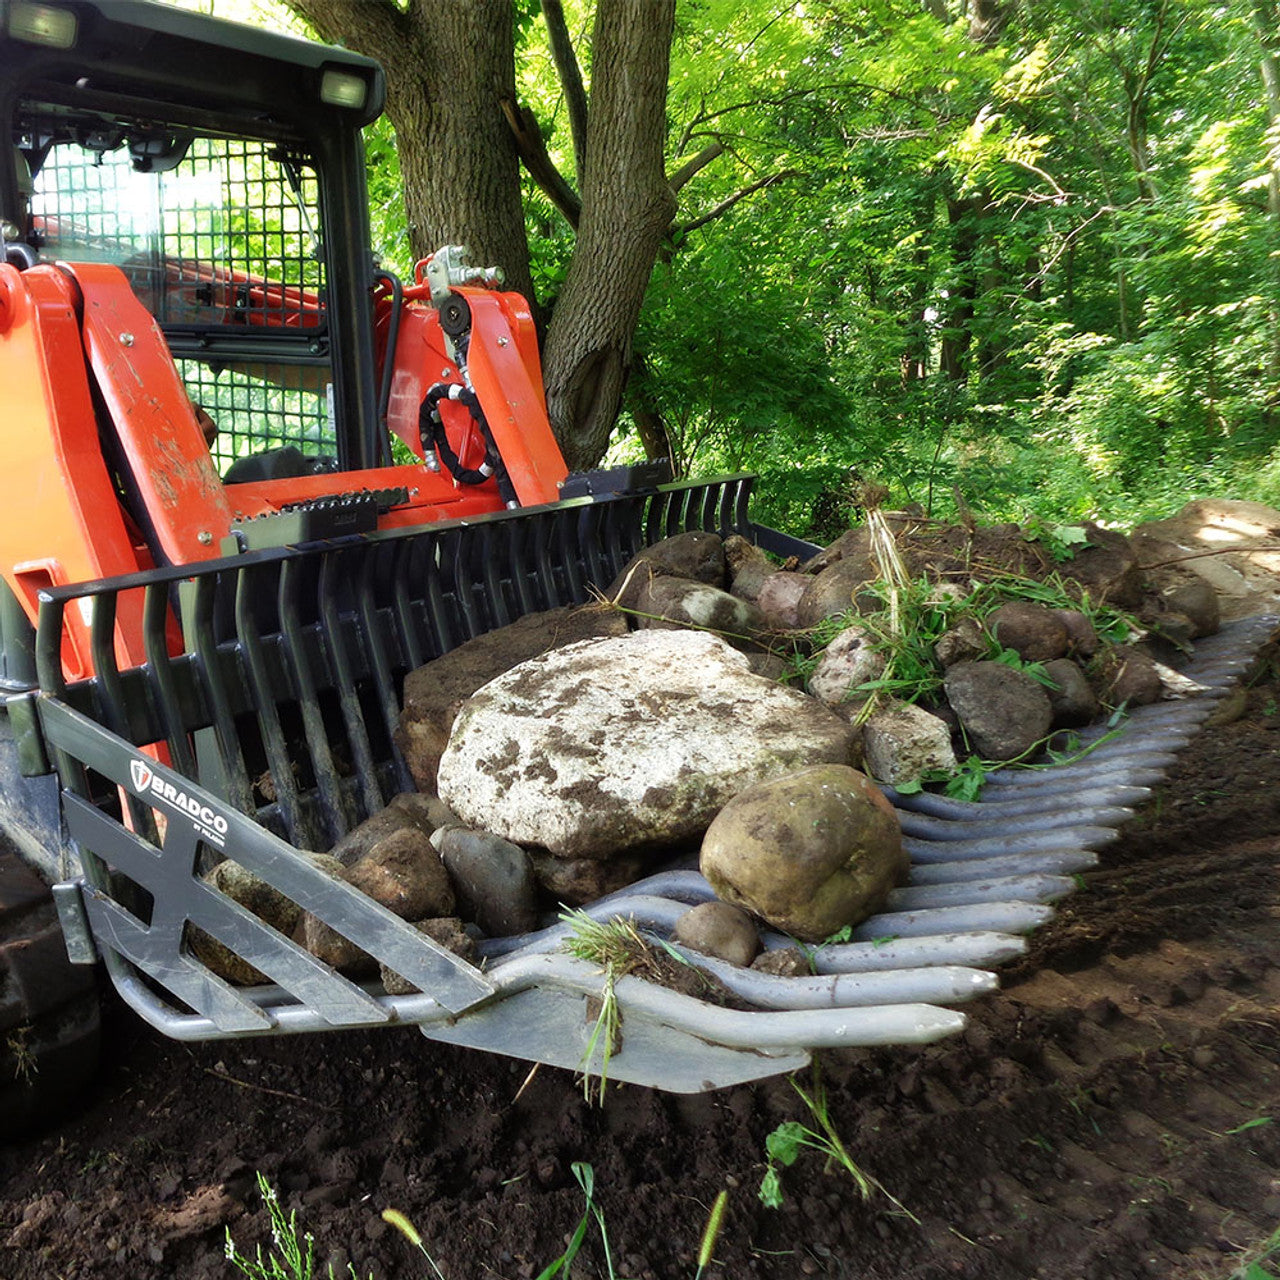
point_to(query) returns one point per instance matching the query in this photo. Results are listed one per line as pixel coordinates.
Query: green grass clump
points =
(615, 947)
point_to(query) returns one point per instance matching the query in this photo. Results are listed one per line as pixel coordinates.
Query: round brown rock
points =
(1032, 631)
(809, 852)
(835, 590)
(720, 930)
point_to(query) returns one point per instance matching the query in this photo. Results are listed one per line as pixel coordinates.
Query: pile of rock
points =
(566, 756)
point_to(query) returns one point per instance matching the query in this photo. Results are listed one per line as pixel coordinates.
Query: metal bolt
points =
(204, 537)
(126, 339)
(502, 342)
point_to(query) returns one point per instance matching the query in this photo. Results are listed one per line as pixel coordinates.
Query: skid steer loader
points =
(250, 480)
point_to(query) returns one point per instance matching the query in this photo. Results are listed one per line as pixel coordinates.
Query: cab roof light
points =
(44, 24)
(343, 89)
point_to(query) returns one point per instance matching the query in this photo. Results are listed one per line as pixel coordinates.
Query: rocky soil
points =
(1113, 1112)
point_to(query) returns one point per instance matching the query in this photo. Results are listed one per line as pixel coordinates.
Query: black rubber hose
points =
(432, 433)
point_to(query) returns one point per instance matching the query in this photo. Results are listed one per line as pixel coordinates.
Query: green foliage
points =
(1038, 270)
(784, 1145)
(292, 1254)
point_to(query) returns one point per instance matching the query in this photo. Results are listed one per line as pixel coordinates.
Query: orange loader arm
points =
(108, 471)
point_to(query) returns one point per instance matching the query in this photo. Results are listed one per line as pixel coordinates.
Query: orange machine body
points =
(108, 471)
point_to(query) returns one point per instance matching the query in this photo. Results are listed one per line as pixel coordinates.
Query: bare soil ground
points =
(1114, 1112)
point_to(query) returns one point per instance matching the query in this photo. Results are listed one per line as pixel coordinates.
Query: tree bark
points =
(1266, 20)
(450, 66)
(627, 206)
(570, 74)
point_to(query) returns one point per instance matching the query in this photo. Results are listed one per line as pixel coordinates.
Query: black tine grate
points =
(287, 700)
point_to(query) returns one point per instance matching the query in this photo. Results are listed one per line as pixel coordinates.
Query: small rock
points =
(1031, 630)
(783, 962)
(847, 662)
(1004, 712)
(1229, 709)
(965, 642)
(1106, 567)
(1130, 677)
(779, 599)
(770, 665)
(339, 952)
(680, 602)
(575, 881)
(810, 852)
(902, 741)
(255, 895)
(747, 567)
(493, 879)
(1197, 601)
(697, 556)
(835, 590)
(449, 933)
(720, 930)
(852, 543)
(1082, 639)
(410, 809)
(1072, 699)
(403, 873)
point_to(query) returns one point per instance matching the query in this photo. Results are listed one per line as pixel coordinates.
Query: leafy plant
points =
(586, 1179)
(790, 1138)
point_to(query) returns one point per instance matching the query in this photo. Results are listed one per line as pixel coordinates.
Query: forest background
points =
(1022, 255)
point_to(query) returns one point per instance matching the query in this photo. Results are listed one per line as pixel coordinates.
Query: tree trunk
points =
(627, 205)
(650, 424)
(962, 215)
(450, 67)
(1266, 19)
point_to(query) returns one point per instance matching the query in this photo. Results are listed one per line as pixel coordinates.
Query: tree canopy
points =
(1026, 251)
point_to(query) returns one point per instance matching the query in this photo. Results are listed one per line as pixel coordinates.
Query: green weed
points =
(25, 1063)
(292, 1254)
(1261, 1262)
(784, 1145)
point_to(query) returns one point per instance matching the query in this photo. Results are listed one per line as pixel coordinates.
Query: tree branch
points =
(532, 148)
(725, 205)
(575, 96)
(700, 161)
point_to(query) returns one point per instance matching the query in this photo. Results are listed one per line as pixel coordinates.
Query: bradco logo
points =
(150, 786)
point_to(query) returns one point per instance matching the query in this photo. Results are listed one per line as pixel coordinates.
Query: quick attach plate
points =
(339, 515)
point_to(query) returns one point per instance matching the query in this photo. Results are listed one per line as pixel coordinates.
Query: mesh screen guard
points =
(219, 239)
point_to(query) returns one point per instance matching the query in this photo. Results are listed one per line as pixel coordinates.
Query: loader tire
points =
(49, 1008)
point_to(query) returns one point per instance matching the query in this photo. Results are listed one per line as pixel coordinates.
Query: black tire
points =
(49, 1011)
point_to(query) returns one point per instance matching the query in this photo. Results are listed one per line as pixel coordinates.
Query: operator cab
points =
(221, 169)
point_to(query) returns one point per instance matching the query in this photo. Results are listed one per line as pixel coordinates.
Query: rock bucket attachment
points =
(982, 875)
(291, 674)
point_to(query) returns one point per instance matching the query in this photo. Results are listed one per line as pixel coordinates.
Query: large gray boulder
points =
(434, 692)
(611, 746)
(809, 853)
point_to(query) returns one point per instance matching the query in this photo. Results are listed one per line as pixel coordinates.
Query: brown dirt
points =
(1093, 1121)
